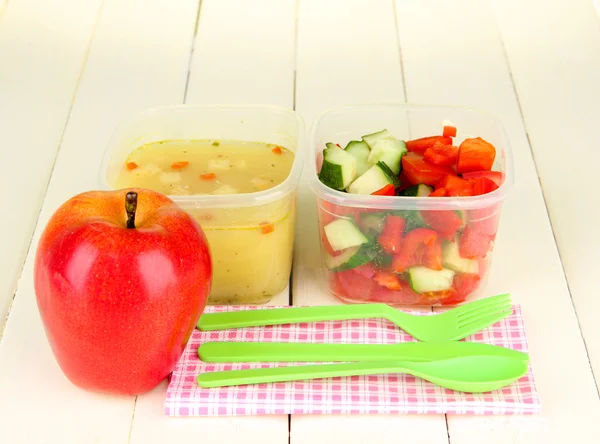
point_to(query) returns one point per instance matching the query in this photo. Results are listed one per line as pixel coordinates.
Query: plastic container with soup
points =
(235, 170)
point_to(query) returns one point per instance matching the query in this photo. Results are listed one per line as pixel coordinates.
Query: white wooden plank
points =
(556, 76)
(243, 54)
(470, 69)
(39, 71)
(138, 58)
(347, 54)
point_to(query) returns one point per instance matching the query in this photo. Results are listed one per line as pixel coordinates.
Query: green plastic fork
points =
(452, 325)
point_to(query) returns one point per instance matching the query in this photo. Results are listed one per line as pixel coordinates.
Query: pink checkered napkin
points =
(391, 393)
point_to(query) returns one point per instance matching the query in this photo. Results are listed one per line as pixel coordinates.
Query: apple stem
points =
(130, 207)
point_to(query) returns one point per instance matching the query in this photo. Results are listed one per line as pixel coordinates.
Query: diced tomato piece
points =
(131, 165)
(388, 279)
(440, 192)
(367, 270)
(414, 249)
(485, 220)
(465, 284)
(475, 155)
(404, 296)
(445, 222)
(179, 165)
(439, 154)
(452, 298)
(420, 145)
(266, 227)
(351, 285)
(455, 186)
(276, 150)
(496, 176)
(391, 237)
(387, 190)
(473, 244)
(418, 170)
(439, 297)
(449, 131)
(483, 185)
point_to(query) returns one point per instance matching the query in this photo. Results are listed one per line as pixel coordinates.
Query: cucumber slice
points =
(375, 178)
(372, 222)
(361, 151)
(389, 152)
(373, 138)
(339, 168)
(420, 190)
(350, 258)
(423, 279)
(451, 259)
(342, 234)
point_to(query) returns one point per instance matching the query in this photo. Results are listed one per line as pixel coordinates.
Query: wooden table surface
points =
(71, 70)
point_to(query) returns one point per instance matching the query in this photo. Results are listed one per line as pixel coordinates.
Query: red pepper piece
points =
(432, 256)
(418, 170)
(473, 244)
(449, 131)
(420, 145)
(445, 222)
(496, 176)
(388, 280)
(387, 190)
(455, 186)
(391, 237)
(440, 192)
(475, 155)
(440, 154)
(483, 185)
(414, 249)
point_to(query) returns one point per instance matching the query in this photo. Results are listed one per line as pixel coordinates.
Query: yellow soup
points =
(251, 246)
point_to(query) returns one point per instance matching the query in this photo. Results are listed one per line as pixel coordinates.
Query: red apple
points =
(121, 278)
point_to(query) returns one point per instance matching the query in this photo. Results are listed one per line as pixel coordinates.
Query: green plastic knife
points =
(308, 352)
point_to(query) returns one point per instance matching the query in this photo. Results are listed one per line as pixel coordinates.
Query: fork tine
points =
(476, 305)
(467, 318)
(482, 323)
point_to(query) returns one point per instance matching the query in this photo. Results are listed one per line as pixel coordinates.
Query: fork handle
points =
(279, 316)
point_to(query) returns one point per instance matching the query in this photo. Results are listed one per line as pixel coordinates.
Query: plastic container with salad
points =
(409, 199)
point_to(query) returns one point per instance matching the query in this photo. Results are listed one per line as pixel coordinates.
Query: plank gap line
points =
(189, 70)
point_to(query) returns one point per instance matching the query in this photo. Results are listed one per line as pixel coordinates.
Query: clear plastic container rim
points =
(404, 202)
(226, 200)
